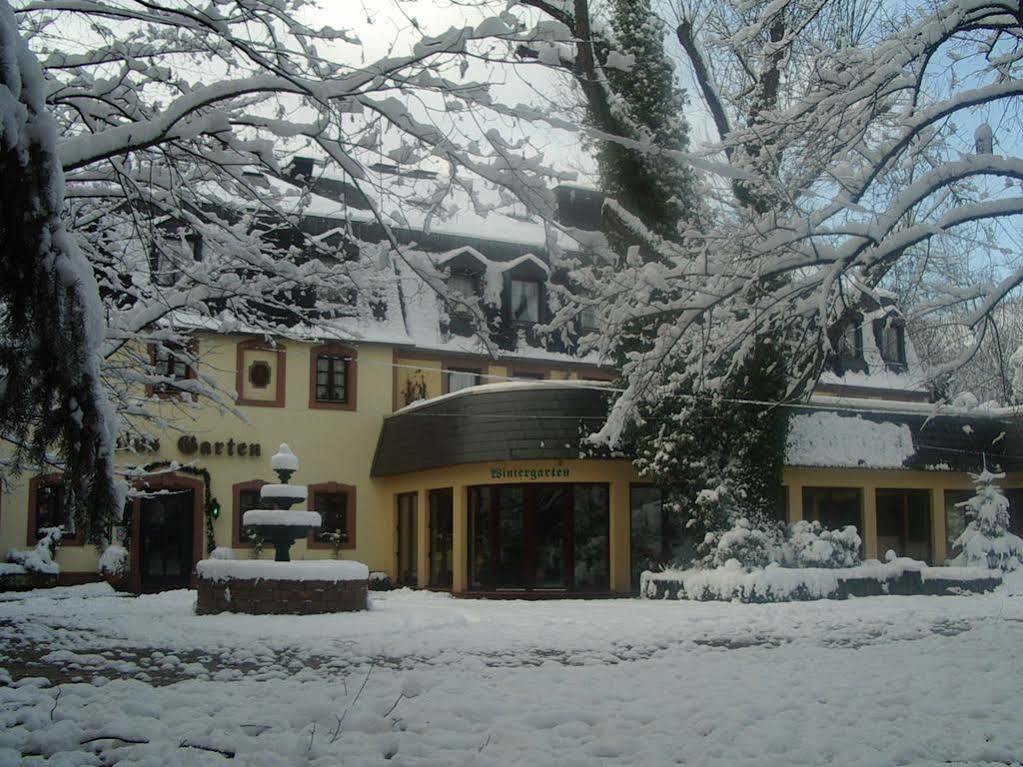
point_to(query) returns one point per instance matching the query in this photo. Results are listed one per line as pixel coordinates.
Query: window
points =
(332, 377)
(850, 343)
(48, 508)
(529, 375)
(171, 366)
(463, 285)
(657, 535)
(259, 374)
(834, 507)
(441, 520)
(246, 496)
(890, 334)
(335, 504)
(589, 318)
(333, 510)
(525, 301)
(462, 379)
(167, 257)
(904, 523)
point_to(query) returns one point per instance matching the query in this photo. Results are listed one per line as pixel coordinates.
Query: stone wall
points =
(279, 597)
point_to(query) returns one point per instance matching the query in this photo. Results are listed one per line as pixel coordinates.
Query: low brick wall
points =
(907, 583)
(264, 596)
(26, 581)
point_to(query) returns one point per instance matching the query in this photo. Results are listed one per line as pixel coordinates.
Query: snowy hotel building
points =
(447, 468)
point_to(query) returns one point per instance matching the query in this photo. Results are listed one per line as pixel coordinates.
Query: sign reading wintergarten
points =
(498, 472)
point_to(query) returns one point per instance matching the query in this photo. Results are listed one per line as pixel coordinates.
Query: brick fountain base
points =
(281, 588)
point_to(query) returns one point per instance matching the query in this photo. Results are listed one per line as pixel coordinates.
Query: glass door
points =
(408, 559)
(510, 536)
(551, 549)
(165, 541)
(441, 537)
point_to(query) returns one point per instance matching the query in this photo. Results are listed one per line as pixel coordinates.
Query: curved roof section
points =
(539, 420)
(548, 420)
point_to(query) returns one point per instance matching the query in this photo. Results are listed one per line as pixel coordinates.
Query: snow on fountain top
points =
(284, 459)
(281, 496)
(295, 492)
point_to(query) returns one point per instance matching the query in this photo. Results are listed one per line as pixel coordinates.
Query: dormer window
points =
(525, 301)
(462, 286)
(846, 337)
(850, 342)
(890, 334)
(589, 318)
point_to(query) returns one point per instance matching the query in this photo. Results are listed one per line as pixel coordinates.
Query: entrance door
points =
(408, 559)
(166, 527)
(442, 530)
(904, 523)
(537, 537)
(551, 536)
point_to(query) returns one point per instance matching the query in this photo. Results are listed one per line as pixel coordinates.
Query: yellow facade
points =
(337, 446)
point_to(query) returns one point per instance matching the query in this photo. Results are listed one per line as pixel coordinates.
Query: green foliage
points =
(647, 98)
(715, 460)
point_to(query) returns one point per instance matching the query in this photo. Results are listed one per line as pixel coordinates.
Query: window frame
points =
(168, 390)
(32, 533)
(350, 493)
(447, 371)
(511, 298)
(350, 357)
(238, 541)
(896, 326)
(241, 372)
(474, 283)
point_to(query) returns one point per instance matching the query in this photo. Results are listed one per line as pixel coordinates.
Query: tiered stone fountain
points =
(283, 586)
(279, 524)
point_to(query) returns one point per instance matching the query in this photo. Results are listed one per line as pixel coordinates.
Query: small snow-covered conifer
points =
(986, 541)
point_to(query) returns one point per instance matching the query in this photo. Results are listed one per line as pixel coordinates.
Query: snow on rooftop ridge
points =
(488, 388)
(930, 409)
(830, 439)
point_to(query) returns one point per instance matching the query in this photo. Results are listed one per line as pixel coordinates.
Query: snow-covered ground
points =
(878, 681)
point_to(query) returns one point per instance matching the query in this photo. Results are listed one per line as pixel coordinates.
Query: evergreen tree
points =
(715, 461)
(646, 98)
(986, 541)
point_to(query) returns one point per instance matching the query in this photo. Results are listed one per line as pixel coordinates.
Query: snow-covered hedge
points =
(809, 544)
(41, 559)
(744, 545)
(114, 561)
(783, 584)
(801, 544)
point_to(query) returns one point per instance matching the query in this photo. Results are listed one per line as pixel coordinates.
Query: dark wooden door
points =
(166, 534)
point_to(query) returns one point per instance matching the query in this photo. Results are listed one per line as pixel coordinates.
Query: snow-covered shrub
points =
(810, 544)
(222, 552)
(41, 559)
(747, 545)
(114, 561)
(380, 581)
(986, 541)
